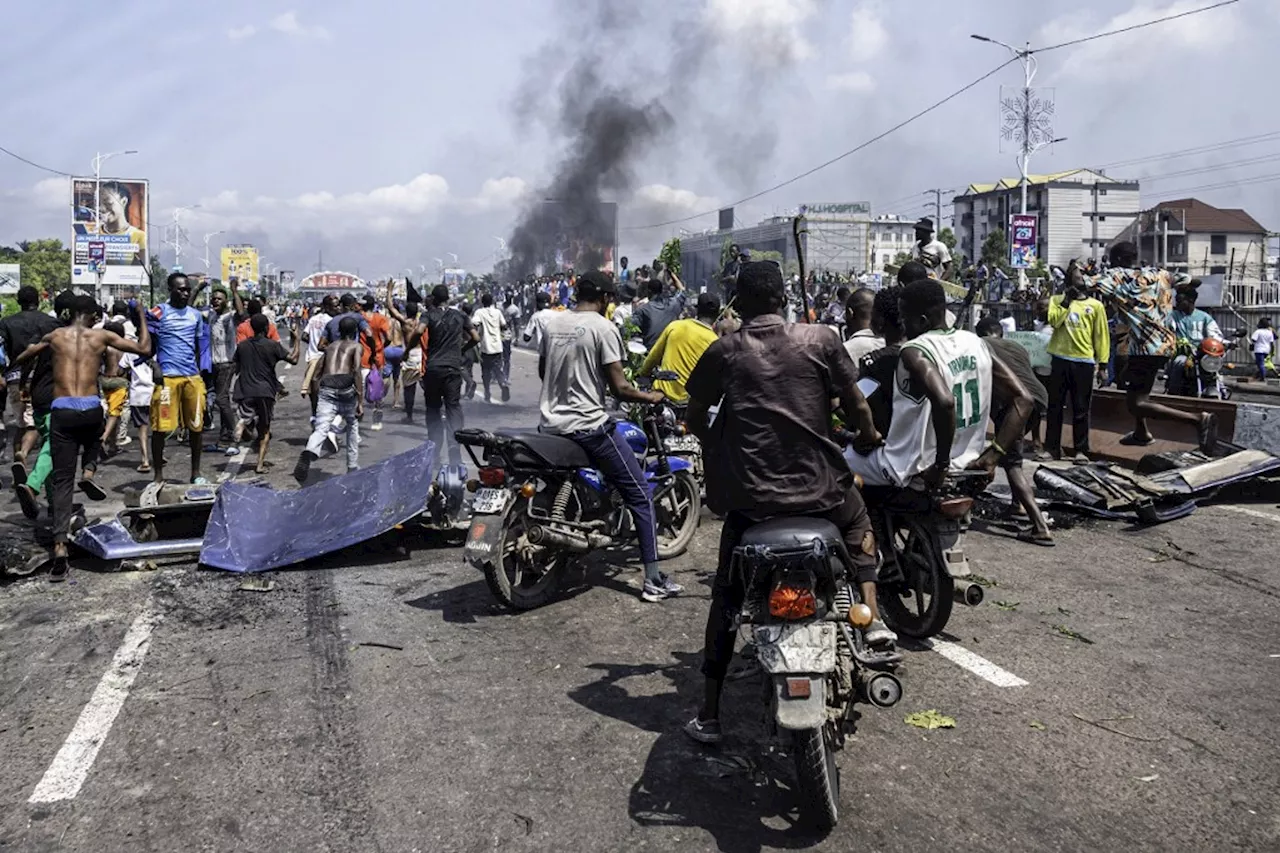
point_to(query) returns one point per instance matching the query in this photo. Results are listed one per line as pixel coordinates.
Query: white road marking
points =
(71, 765)
(978, 665)
(233, 466)
(1253, 513)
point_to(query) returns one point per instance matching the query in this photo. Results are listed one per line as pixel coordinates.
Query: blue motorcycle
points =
(539, 505)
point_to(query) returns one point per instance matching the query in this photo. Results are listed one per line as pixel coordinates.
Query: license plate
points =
(682, 444)
(489, 501)
(810, 647)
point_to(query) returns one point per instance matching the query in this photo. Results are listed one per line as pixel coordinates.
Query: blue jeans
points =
(618, 463)
(1260, 358)
(332, 403)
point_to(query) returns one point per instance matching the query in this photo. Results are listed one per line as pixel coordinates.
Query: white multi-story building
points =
(1080, 213)
(887, 235)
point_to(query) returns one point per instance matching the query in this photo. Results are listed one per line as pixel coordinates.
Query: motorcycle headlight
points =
(1211, 363)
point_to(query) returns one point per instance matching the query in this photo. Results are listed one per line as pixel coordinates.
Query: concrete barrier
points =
(1251, 425)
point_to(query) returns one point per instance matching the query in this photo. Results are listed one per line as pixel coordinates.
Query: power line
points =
(1256, 179)
(1203, 149)
(1074, 42)
(838, 157)
(34, 163)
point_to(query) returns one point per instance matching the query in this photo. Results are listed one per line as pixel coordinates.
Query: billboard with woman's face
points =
(109, 231)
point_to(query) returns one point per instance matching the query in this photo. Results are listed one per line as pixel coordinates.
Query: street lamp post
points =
(1029, 66)
(98, 160)
(177, 234)
(207, 238)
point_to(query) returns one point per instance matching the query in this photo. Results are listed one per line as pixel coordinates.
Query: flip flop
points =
(1031, 537)
(27, 500)
(1131, 440)
(199, 481)
(19, 473)
(59, 570)
(144, 468)
(92, 489)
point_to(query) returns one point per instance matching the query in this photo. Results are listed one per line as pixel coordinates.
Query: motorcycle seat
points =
(554, 451)
(786, 534)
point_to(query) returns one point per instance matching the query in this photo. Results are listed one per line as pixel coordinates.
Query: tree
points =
(670, 255)
(157, 273)
(995, 252)
(725, 254)
(46, 264)
(899, 259)
(947, 237)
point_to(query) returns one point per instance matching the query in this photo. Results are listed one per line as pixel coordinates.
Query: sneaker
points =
(303, 467)
(653, 591)
(332, 440)
(669, 586)
(59, 570)
(231, 450)
(878, 634)
(704, 731)
(506, 393)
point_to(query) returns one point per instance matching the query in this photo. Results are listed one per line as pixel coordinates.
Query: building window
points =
(1218, 244)
(1102, 191)
(1102, 218)
(1217, 270)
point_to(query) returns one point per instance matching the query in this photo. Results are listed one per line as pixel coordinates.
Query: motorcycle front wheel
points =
(677, 510)
(919, 605)
(817, 778)
(523, 576)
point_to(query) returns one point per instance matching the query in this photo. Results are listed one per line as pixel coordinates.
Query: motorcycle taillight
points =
(955, 507)
(492, 476)
(792, 602)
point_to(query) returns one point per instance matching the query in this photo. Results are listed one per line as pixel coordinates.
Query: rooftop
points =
(1200, 217)
(1071, 175)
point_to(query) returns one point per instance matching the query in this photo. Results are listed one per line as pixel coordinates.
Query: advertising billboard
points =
(1022, 240)
(10, 279)
(240, 262)
(286, 281)
(109, 232)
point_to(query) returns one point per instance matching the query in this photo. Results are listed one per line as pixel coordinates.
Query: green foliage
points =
(995, 252)
(725, 254)
(158, 273)
(756, 255)
(670, 255)
(46, 264)
(947, 237)
(899, 259)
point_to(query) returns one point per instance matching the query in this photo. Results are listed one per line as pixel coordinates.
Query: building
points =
(1080, 213)
(320, 284)
(889, 234)
(835, 240)
(1187, 235)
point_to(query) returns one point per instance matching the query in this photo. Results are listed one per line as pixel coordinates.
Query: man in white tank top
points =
(941, 400)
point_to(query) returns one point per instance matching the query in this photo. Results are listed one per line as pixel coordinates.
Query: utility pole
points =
(937, 205)
(207, 237)
(177, 235)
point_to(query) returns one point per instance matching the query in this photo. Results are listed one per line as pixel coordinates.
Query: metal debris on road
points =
(930, 719)
(257, 585)
(1102, 724)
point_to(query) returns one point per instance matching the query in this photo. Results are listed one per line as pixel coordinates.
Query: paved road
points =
(267, 721)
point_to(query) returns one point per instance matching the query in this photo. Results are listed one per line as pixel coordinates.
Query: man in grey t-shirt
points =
(580, 352)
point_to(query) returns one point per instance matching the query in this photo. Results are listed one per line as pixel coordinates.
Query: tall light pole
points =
(455, 257)
(207, 238)
(98, 160)
(177, 234)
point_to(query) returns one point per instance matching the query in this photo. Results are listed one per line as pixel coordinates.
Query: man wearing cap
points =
(680, 346)
(581, 352)
(930, 251)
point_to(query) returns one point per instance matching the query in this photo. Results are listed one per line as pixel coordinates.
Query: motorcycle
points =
(924, 570)
(1200, 373)
(539, 505)
(807, 619)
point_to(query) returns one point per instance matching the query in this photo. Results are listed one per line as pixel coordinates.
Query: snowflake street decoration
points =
(1026, 117)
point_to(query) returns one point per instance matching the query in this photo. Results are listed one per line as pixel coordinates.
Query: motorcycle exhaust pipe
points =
(577, 543)
(967, 593)
(882, 689)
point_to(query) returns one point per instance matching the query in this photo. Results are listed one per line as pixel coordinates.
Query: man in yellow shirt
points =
(1081, 343)
(680, 346)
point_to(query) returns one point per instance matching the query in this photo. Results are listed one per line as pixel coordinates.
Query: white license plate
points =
(489, 501)
(810, 647)
(682, 444)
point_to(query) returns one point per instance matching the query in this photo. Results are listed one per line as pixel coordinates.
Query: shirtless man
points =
(339, 392)
(115, 390)
(395, 350)
(75, 420)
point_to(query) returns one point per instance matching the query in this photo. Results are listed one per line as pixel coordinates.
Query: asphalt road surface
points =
(1118, 692)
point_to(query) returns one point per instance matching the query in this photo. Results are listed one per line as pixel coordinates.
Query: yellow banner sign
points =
(240, 262)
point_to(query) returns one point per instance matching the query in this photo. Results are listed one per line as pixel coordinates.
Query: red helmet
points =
(1213, 347)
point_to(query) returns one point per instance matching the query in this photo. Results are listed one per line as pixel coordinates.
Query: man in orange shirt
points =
(244, 331)
(373, 344)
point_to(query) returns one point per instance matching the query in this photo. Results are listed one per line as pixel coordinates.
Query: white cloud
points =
(1106, 57)
(240, 33)
(867, 35)
(52, 193)
(289, 24)
(772, 27)
(497, 193)
(855, 82)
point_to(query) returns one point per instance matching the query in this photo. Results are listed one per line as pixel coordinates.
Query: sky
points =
(384, 135)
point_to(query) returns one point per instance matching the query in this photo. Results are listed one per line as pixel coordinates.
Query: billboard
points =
(286, 280)
(331, 282)
(1022, 240)
(10, 279)
(109, 231)
(240, 262)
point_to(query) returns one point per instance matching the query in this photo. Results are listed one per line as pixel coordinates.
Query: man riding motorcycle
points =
(770, 454)
(1193, 326)
(942, 394)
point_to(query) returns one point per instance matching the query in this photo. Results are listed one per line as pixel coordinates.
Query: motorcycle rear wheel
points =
(512, 577)
(920, 605)
(817, 778)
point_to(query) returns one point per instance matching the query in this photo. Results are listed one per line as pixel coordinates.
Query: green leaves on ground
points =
(1067, 632)
(1007, 605)
(930, 719)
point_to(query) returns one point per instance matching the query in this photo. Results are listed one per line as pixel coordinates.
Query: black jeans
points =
(1069, 380)
(729, 588)
(442, 387)
(74, 436)
(222, 376)
(491, 371)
